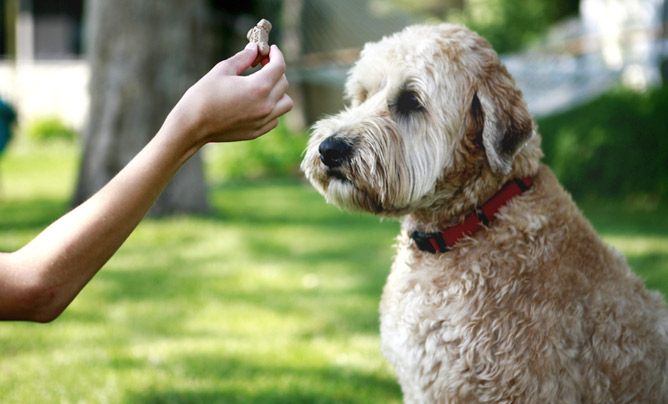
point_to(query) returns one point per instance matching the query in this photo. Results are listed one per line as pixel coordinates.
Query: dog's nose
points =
(334, 151)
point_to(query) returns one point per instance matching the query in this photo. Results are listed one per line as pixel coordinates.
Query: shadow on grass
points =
(653, 269)
(276, 264)
(281, 201)
(639, 231)
(275, 224)
(273, 219)
(330, 311)
(32, 214)
(232, 380)
(614, 218)
(264, 301)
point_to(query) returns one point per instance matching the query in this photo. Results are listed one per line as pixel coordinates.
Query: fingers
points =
(281, 107)
(280, 100)
(268, 123)
(275, 68)
(275, 97)
(279, 89)
(284, 105)
(265, 128)
(242, 60)
(273, 65)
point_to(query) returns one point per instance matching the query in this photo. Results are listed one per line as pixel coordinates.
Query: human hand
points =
(225, 107)
(41, 279)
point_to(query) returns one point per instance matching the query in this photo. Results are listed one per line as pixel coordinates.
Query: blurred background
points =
(244, 286)
(74, 70)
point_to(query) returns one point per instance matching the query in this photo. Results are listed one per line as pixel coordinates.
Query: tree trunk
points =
(663, 44)
(143, 55)
(292, 49)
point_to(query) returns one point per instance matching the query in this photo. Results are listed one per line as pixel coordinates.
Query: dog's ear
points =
(475, 121)
(507, 123)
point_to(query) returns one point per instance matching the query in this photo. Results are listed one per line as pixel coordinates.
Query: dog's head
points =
(431, 109)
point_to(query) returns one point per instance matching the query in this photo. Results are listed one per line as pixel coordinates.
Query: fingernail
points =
(250, 45)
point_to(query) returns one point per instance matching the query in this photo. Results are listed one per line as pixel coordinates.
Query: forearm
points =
(41, 279)
(68, 253)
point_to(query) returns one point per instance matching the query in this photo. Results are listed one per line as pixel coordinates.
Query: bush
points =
(615, 145)
(50, 128)
(510, 26)
(275, 154)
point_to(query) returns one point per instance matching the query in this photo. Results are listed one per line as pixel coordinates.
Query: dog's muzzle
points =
(334, 151)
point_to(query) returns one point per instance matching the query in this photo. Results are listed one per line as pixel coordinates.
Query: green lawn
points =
(273, 299)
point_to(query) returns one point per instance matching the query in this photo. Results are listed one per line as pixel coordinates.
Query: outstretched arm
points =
(40, 280)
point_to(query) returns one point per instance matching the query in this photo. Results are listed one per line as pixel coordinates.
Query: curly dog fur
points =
(534, 307)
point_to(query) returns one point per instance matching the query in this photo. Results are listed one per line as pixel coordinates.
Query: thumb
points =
(243, 59)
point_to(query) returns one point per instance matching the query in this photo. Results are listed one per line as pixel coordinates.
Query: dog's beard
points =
(355, 188)
(341, 193)
(343, 187)
(385, 176)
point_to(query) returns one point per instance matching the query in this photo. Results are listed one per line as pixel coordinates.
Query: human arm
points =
(38, 281)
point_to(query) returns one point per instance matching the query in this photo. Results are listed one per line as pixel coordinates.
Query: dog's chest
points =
(423, 321)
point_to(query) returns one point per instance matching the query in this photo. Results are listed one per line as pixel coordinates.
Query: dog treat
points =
(259, 34)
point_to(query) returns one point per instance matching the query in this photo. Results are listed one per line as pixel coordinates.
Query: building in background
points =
(42, 71)
(610, 42)
(627, 33)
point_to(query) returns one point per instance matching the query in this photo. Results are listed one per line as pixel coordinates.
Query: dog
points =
(500, 290)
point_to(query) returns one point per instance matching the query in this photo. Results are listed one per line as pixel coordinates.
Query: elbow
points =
(41, 303)
(29, 293)
(43, 318)
(45, 315)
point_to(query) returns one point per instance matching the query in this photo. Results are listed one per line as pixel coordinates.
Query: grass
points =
(272, 299)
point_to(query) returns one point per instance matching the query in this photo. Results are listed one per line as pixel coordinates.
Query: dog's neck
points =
(445, 239)
(462, 192)
(451, 207)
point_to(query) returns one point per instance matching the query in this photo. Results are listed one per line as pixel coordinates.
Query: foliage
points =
(510, 25)
(615, 145)
(50, 128)
(275, 154)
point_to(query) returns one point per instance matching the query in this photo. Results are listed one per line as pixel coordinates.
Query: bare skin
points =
(41, 279)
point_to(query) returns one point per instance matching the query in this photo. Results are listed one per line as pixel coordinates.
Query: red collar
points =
(444, 240)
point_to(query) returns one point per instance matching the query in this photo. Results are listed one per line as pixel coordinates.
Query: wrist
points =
(189, 116)
(181, 134)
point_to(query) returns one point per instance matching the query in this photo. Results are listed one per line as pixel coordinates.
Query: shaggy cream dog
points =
(500, 291)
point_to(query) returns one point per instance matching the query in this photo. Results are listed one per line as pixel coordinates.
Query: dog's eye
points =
(408, 102)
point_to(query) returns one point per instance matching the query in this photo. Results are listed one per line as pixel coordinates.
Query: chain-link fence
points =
(576, 61)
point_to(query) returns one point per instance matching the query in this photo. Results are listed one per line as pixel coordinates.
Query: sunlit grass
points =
(271, 299)
(640, 233)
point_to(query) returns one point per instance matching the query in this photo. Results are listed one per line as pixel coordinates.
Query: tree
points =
(663, 63)
(509, 26)
(291, 17)
(143, 55)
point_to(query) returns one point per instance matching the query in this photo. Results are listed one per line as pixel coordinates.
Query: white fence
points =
(572, 65)
(576, 66)
(42, 88)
